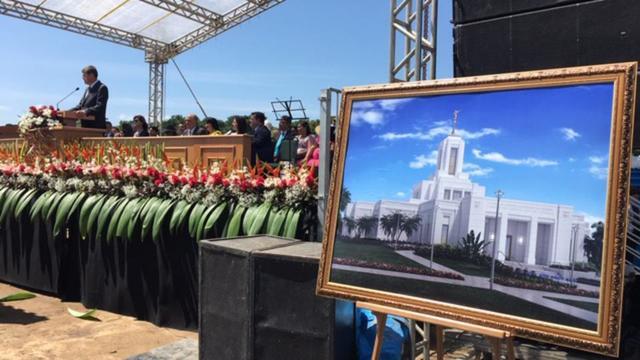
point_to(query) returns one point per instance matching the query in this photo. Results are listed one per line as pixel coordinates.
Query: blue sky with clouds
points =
(292, 50)
(548, 145)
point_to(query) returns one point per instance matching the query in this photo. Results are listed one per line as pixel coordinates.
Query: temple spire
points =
(455, 122)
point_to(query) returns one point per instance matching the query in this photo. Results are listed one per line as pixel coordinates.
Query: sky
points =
(546, 145)
(293, 50)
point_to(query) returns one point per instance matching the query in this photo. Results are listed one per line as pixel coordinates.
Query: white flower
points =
(130, 191)
(60, 185)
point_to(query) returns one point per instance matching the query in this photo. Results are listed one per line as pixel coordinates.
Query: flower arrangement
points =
(134, 172)
(39, 117)
(109, 191)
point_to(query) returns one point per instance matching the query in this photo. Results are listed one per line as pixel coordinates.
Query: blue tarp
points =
(395, 334)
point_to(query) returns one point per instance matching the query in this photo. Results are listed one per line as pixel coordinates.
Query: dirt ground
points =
(41, 328)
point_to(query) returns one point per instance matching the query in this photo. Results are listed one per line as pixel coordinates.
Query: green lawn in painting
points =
(482, 299)
(372, 251)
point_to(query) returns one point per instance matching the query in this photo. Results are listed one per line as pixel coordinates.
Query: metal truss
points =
(235, 17)
(416, 22)
(157, 53)
(156, 92)
(24, 11)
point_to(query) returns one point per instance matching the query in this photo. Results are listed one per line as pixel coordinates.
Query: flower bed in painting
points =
(394, 267)
(543, 286)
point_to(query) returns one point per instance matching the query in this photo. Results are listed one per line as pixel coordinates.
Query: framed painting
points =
(495, 200)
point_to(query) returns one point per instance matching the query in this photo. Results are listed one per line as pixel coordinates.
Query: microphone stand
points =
(65, 98)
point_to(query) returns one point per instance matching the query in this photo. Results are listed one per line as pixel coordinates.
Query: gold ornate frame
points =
(605, 340)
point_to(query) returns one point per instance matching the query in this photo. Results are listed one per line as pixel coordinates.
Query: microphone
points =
(65, 98)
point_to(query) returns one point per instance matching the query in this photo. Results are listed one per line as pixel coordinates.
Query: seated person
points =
(108, 130)
(140, 126)
(191, 127)
(211, 124)
(238, 126)
(154, 131)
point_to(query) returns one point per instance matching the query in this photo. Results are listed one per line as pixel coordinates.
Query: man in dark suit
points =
(94, 100)
(191, 126)
(261, 144)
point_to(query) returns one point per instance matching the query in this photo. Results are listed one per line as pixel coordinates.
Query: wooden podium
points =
(71, 118)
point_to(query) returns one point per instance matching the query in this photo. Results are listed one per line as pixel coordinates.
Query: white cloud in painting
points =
(400, 194)
(372, 112)
(439, 131)
(500, 158)
(569, 134)
(476, 170)
(371, 117)
(422, 161)
(598, 167)
(392, 104)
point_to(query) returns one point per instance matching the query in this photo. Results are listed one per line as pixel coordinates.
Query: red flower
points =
(173, 179)
(78, 170)
(116, 174)
(157, 182)
(225, 182)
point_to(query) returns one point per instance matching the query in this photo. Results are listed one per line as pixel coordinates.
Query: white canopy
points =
(163, 28)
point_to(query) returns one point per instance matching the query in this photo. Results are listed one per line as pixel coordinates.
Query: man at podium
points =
(94, 100)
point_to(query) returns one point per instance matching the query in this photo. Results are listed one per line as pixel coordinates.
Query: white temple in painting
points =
(451, 205)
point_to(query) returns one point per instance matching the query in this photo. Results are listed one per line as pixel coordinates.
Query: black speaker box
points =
(227, 296)
(519, 35)
(290, 320)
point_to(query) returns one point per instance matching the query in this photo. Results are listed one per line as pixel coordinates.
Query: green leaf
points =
(135, 221)
(127, 213)
(248, 218)
(112, 227)
(87, 315)
(233, 228)
(93, 216)
(176, 215)
(105, 215)
(10, 203)
(275, 222)
(185, 216)
(55, 202)
(76, 204)
(194, 219)
(161, 214)
(292, 224)
(148, 214)
(202, 221)
(63, 212)
(23, 202)
(37, 205)
(259, 217)
(213, 219)
(85, 211)
(23, 295)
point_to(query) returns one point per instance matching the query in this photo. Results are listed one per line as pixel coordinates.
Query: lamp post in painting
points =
(572, 251)
(499, 194)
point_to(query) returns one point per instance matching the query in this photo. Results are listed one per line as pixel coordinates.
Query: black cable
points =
(189, 87)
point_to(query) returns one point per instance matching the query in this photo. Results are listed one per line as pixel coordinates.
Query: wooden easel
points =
(497, 336)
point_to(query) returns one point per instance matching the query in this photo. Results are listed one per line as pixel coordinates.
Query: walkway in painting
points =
(534, 296)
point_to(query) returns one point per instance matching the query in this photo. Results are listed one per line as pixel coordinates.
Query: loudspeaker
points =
(290, 320)
(227, 296)
(517, 35)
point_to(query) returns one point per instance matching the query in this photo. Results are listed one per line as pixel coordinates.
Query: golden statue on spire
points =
(455, 121)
